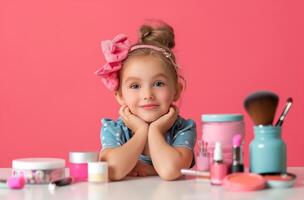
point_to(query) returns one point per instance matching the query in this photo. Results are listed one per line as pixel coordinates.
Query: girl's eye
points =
(134, 86)
(159, 84)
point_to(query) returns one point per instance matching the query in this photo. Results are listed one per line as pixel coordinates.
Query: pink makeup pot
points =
(79, 164)
(221, 128)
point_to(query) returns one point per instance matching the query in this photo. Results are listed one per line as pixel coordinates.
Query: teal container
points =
(267, 150)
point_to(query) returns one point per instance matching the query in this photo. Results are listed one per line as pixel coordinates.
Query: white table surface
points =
(150, 188)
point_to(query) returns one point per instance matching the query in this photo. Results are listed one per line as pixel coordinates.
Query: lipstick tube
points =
(237, 163)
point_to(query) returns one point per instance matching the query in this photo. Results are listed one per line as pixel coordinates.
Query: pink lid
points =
(244, 182)
(16, 182)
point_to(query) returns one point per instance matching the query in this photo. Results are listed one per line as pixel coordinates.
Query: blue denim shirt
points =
(181, 134)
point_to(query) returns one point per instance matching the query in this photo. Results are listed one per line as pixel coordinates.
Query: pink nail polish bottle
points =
(218, 169)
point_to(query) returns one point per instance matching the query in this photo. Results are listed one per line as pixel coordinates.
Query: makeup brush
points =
(285, 112)
(261, 106)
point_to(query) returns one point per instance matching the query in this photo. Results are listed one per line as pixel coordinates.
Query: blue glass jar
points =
(267, 150)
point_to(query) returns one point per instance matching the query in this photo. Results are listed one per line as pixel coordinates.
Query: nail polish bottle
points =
(218, 169)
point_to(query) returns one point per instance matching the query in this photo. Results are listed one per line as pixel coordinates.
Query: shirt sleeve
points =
(186, 135)
(111, 134)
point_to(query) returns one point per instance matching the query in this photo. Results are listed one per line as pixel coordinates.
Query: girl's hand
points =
(142, 169)
(132, 121)
(165, 122)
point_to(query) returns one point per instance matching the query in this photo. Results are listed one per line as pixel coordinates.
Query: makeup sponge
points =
(16, 182)
(261, 106)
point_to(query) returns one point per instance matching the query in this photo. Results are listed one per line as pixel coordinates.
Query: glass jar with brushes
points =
(267, 150)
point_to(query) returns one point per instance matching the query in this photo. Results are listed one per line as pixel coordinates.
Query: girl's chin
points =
(150, 119)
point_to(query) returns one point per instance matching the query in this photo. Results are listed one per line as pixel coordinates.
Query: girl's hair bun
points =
(159, 33)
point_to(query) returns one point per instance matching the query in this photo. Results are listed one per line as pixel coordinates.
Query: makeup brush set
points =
(267, 149)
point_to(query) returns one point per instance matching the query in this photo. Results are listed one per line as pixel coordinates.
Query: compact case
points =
(39, 170)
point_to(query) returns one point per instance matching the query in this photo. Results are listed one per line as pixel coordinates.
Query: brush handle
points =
(191, 172)
(284, 113)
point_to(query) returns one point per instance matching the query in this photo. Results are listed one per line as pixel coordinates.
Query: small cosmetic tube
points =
(79, 164)
(218, 169)
(98, 172)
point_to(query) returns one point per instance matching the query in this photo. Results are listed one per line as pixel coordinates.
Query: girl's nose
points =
(148, 94)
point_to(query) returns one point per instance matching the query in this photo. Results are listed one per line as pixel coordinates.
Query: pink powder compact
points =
(79, 164)
(244, 182)
(39, 170)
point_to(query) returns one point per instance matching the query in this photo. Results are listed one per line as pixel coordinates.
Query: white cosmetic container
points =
(98, 172)
(39, 170)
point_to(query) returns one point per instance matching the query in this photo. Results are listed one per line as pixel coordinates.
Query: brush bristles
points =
(260, 95)
(261, 106)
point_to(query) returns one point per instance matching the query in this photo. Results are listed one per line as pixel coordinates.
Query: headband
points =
(115, 51)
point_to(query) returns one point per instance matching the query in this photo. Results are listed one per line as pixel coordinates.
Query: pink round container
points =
(221, 128)
(79, 164)
(244, 182)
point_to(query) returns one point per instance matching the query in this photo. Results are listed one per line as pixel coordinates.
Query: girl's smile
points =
(149, 106)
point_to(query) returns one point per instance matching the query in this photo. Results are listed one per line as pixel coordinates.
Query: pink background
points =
(51, 103)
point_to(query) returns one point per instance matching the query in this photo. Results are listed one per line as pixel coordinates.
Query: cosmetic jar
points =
(221, 128)
(98, 172)
(39, 170)
(79, 164)
(267, 150)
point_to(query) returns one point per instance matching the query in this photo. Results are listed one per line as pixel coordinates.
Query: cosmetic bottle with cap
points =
(218, 169)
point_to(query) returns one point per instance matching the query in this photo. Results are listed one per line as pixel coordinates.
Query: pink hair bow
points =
(115, 51)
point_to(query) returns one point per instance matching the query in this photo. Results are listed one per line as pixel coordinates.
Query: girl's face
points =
(147, 87)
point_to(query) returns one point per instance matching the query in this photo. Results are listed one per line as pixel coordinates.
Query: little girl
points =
(150, 137)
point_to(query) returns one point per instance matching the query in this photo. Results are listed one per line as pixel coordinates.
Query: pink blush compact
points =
(244, 182)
